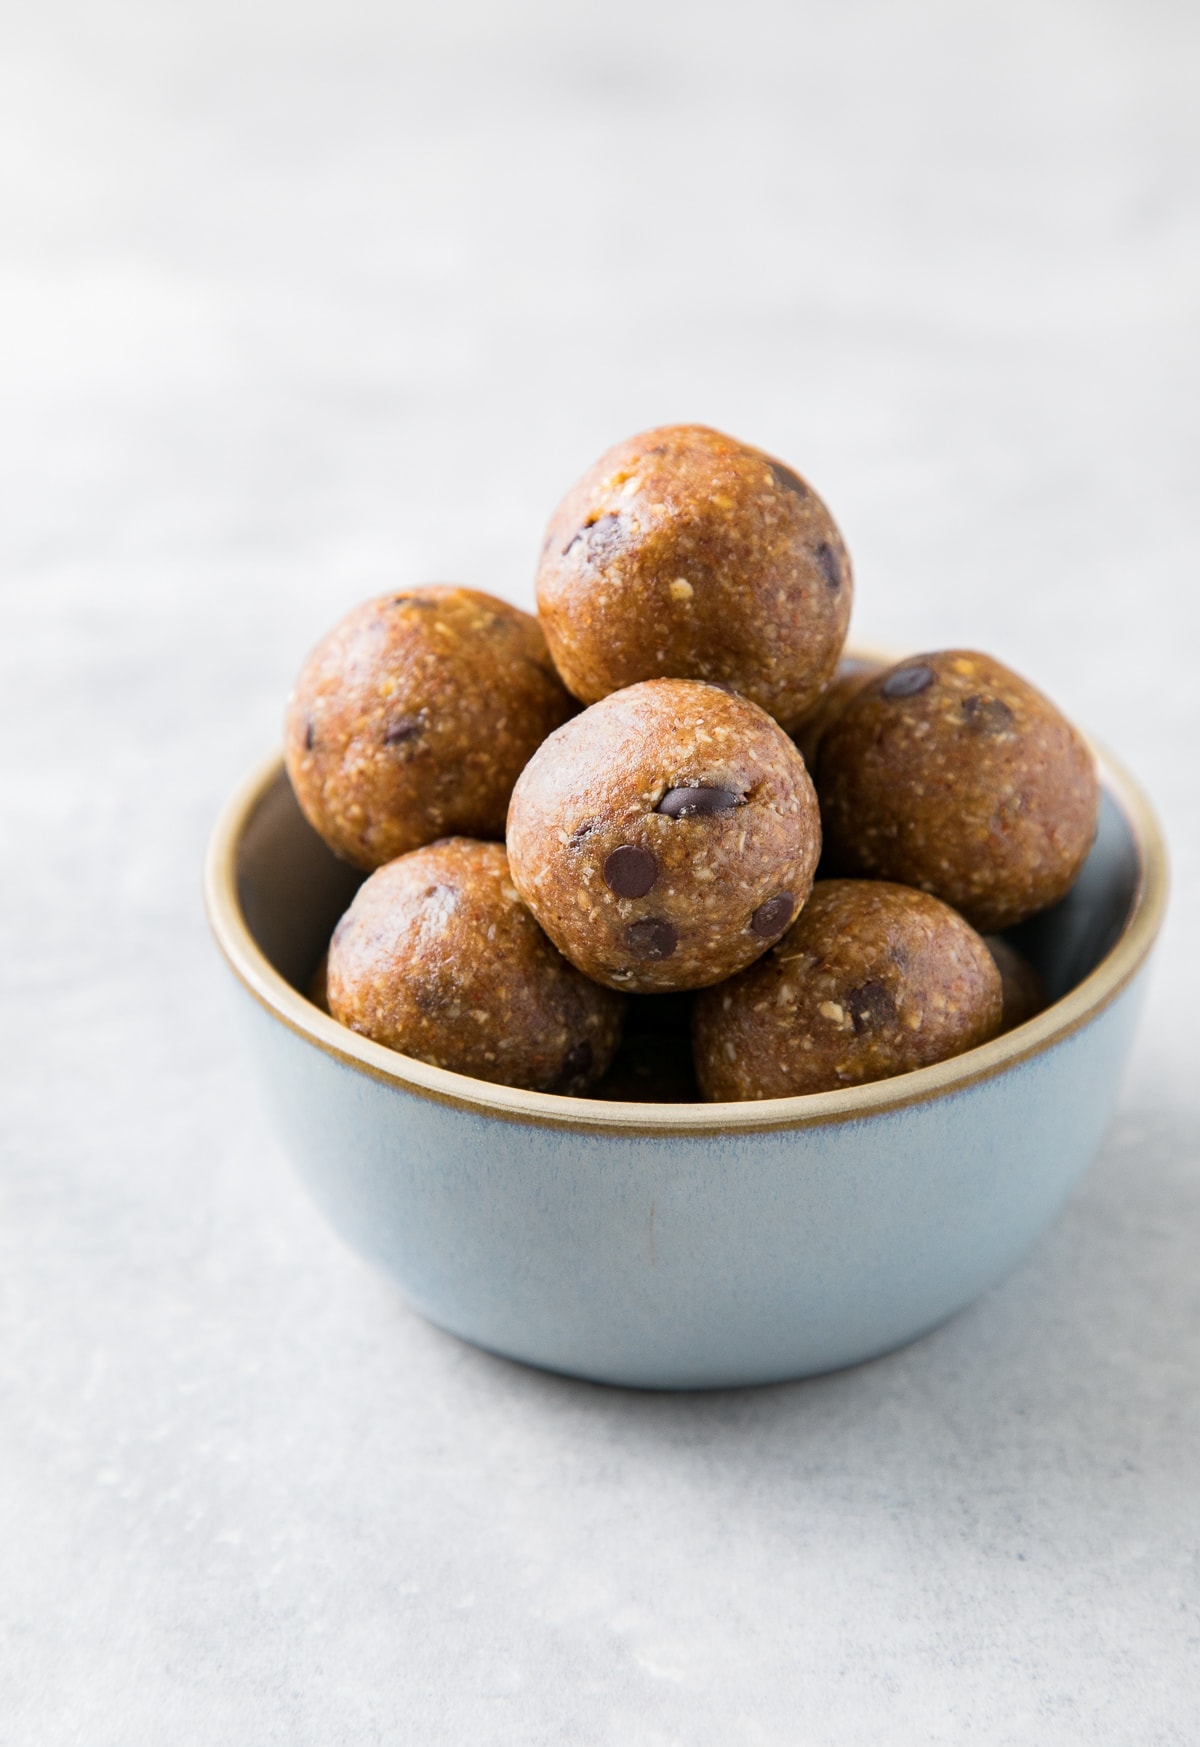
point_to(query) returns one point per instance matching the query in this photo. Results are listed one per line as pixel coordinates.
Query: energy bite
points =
(413, 718)
(437, 957)
(951, 773)
(665, 837)
(872, 979)
(685, 554)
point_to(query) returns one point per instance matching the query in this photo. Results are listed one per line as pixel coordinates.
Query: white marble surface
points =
(299, 303)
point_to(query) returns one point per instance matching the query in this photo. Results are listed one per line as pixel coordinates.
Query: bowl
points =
(686, 1246)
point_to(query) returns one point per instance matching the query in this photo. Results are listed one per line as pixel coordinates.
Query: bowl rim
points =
(1076, 1008)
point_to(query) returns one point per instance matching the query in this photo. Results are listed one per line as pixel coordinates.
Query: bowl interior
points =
(292, 889)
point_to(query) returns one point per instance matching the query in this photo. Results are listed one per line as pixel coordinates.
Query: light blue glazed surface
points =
(684, 1260)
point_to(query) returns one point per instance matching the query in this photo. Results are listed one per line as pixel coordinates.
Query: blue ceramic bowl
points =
(685, 1246)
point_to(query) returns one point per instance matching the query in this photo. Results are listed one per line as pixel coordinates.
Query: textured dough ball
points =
(437, 957)
(413, 719)
(1022, 989)
(685, 554)
(951, 773)
(872, 979)
(665, 837)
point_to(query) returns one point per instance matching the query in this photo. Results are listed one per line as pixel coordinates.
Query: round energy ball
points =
(951, 773)
(685, 554)
(413, 718)
(437, 957)
(665, 837)
(872, 979)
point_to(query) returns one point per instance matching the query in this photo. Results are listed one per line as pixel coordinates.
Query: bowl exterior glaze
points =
(680, 1261)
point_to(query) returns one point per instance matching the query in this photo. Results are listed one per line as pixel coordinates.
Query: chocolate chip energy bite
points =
(665, 837)
(951, 773)
(872, 979)
(413, 718)
(437, 957)
(685, 554)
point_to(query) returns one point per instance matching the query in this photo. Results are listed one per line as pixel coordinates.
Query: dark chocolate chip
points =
(986, 716)
(599, 533)
(906, 682)
(581, 832)
(698, 801)
(871, 1007)
(576, 1065)
(786, 480)
(404, 728)
(653, 938)
(310, 735)
(773, 916)
(831, 564)
(630, 872)
(412, 600)
(604, 533)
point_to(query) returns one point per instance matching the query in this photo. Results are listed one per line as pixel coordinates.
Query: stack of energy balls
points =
(547, 878)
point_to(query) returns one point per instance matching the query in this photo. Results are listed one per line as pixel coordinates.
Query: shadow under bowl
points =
(686, 1245)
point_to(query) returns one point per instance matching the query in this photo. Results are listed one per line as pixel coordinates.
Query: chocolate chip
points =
(830, 563)
(599, 533)
(786, 480)
(871, 1007)
(698, 801)
(604, 533)
(310, 735)
(653, 938)
(576, 1066)
(906, 682)
(581, 832)
(986, 716)
(630, 872)
(773, 916)
(404, 728)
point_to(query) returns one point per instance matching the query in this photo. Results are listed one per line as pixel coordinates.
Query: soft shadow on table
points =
(1086, 1357)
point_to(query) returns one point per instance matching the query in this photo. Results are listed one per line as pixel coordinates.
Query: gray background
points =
(297, 304)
